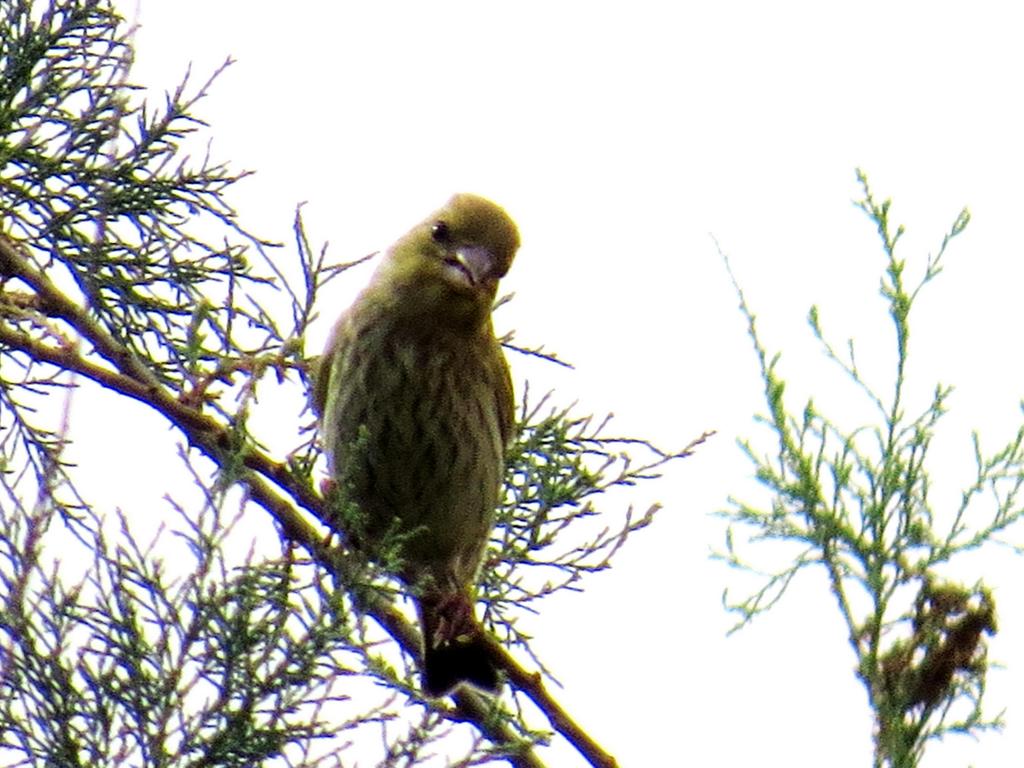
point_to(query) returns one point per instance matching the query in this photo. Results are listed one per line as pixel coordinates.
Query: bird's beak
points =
(477, 262)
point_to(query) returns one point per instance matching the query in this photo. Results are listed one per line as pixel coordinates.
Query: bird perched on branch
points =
(416, 411)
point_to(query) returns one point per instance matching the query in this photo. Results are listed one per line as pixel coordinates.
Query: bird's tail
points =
(455, 647)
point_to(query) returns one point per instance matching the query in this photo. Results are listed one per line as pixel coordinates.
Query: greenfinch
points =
(416, 411)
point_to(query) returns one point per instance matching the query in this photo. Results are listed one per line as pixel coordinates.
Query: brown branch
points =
(133, 379)
(532, 684)
(54, 302)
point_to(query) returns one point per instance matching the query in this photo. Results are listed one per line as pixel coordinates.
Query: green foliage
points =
(136, 664)
(856, 503)
(560, 466)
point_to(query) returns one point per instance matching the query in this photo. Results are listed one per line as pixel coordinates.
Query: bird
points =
(416, 412)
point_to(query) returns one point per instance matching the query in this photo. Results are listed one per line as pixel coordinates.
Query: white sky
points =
(621, 140)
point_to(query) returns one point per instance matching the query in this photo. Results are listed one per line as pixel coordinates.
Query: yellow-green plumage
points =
(416, 410)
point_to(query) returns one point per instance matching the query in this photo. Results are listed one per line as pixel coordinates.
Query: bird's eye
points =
(440, 233)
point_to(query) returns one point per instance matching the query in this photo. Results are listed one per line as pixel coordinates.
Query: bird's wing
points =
(320, 371)
(506, 401)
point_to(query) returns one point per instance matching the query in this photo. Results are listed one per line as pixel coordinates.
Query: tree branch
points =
(214, 439)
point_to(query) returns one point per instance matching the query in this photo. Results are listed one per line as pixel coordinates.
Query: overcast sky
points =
(625, 142)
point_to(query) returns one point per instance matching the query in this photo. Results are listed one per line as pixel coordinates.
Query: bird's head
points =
(448, 266)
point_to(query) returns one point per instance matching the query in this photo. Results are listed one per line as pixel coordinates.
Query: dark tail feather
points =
(466, 660)
(455, 649)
